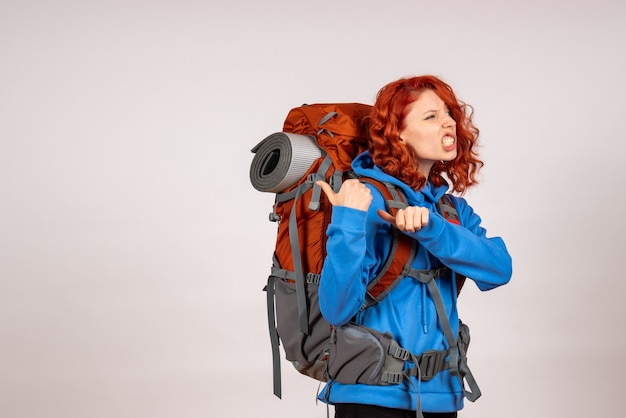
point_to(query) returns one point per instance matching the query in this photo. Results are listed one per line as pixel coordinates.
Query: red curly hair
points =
(394, 158)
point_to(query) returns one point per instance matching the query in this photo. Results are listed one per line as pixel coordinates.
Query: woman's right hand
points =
(409, 219)
(352, 194)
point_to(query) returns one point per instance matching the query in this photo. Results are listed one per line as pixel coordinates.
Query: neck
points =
(424, 168)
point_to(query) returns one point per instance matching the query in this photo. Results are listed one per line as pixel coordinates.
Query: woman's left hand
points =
(409, 219)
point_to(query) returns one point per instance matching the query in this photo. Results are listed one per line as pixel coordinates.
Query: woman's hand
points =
(409, 219)
(352, 194)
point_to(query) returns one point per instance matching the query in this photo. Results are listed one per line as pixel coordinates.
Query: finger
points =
(354, 194)
(411, 220)
(401, 219)
(424, 218)
(328, 191)
(352, 182)
(386, 216)
(417, 217)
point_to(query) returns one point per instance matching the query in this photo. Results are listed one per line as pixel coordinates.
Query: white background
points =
(133, 249)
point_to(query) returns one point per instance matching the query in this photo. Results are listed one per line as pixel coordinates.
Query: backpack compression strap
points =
(274, 339)
(298, 275)
(295, 239)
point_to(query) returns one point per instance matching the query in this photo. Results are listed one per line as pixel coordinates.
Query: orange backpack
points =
(318, 142)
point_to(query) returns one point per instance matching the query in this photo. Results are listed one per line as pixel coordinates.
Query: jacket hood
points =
(363, 165)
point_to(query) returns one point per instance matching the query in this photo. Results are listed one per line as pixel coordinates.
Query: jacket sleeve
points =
(351, 259)
(466, 249)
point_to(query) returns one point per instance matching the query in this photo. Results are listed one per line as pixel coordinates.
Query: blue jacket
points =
(358, 242)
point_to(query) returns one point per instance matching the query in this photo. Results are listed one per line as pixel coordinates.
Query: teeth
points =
(448, 140)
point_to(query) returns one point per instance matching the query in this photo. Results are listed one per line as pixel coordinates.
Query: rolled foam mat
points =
(281, 159)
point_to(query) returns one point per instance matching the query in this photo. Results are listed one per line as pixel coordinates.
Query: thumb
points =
(328, 191)
(387, 217)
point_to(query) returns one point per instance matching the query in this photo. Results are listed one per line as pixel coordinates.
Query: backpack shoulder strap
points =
(446, 208)
(402, 249)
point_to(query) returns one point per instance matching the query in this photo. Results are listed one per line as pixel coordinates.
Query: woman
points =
(419, 133)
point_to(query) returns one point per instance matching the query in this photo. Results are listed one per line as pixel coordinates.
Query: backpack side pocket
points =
(358, 354)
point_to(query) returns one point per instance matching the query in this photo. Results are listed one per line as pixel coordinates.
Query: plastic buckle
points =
(406, 271)
(331, 183)
(399, 353)
(431, 363)
(441, 272)
(312, 278)
(335, 181)
(391, 378)
(274, 217)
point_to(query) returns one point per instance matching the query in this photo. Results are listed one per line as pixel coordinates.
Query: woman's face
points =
(429, 129)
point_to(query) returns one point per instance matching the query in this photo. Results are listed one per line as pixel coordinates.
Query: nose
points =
(448, 121)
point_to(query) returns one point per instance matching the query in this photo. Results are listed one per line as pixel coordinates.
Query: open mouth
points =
(448, 141)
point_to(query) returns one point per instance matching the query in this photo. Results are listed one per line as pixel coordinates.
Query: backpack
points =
(319, 142)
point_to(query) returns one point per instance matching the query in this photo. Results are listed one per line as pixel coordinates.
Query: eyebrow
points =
(435, 110)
